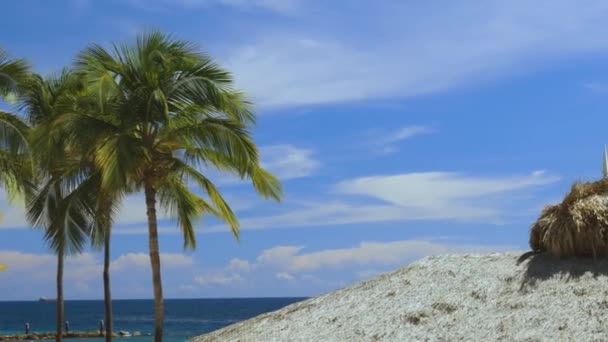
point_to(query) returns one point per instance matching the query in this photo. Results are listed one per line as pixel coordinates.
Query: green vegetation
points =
(149, 116)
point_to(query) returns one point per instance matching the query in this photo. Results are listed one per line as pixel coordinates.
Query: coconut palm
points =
(103, 227)
(175, 112)
(12, 72)
(58, 206)
(15, 167)
(68, 127)
(13, 143)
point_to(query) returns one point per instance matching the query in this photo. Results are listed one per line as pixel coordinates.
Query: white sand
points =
(449, 298)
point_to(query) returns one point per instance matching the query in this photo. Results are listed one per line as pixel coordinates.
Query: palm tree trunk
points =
(59, 336)
(106, 280)
(150, 193)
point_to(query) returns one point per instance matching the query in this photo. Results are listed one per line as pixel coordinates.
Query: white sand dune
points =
(449, 298)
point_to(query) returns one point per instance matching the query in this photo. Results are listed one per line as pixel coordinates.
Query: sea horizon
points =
(143, 299)
(184, 317)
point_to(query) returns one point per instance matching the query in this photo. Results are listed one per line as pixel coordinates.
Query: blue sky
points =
(400, 130)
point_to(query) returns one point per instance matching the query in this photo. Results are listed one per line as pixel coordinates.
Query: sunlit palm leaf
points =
(12, 72)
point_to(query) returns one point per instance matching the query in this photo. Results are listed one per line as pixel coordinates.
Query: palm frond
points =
(223, 210)
(183, 205)
(12, 73)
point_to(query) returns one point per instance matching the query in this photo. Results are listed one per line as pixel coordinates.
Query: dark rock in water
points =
(72, 334)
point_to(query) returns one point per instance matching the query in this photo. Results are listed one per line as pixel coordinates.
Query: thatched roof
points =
(576, 227)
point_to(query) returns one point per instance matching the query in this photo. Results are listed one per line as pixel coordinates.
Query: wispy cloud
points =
(407, 132)
(29, 274)
(285, 276)
(442, 194)
(423, 196)
(280, 6)
(294, 265)
(289, 162)
(596, 87)
(133, 261)
(388, 142)
(292, 258)
(218, 279)
(460, 44)
(427, 196)
(284, 160)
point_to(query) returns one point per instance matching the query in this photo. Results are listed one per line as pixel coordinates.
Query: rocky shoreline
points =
(75, 334)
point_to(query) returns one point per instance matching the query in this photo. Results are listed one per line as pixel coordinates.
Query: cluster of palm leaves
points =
(143, 117)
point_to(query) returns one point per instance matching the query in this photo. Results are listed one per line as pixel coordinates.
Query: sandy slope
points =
(449, 298)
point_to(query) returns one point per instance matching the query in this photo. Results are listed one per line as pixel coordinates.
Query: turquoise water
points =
(184, 318)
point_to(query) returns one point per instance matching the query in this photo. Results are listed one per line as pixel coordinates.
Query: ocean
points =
(184, 318)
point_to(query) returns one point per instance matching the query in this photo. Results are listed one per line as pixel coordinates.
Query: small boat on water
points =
(45, 299)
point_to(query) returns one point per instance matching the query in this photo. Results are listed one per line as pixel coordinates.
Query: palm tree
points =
(175, 111)
(15, 167)
(63, 210)
(104, 214)
(68, 126)
(75, 110)
(12, 72)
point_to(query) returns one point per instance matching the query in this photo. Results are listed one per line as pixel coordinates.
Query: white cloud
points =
(239, 265)
(277, 254)
(305, 270)
(12, 213)
(305, 71)
(426, 196)
(403, 51)
(218, 279)
(288, 162)
(291, 263)
(20, 261)
(409, 196)
(284, 276)
(133, 210)
(31, 275)
(366, 253)
(142, 230)
(441, 194)
(387, 142)
(283, 160)
(132, 261)
(408, 132)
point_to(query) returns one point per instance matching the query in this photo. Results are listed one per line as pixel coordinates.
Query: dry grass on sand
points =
(578, 226)
(449, 298)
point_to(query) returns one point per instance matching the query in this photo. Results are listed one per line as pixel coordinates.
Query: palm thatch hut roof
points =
(578, 226)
